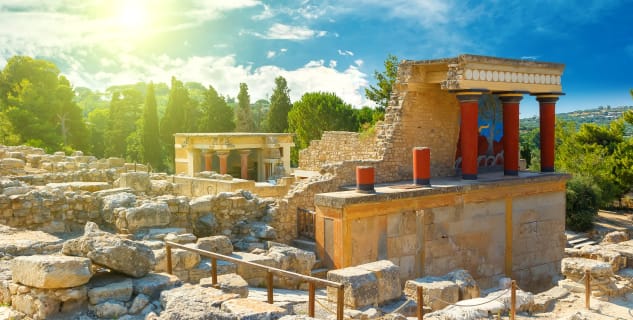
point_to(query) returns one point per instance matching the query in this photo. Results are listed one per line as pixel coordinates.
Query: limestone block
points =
(360, 286)
(51, 272)
(105, 249)
(116, 200)
(468, 288)
(263, 231)
(139, 303)
(116, 291)
(149, 214)
(138, 181)
(229, 283)
(388, 277)
(217, 244)
(161, 233)
(153, 284)
(195, 302)
(437, 292)
(182, 238)
(108, 309)
(203, 269)
(12, 163)
(615, 237)
(114, 162)
(180, 259)
(44, 303)
(544, 301)
(254, 276)
(574, 268)
(615, 259)
(252, 309)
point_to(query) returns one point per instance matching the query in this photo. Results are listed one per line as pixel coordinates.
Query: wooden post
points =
(214, 271)
(311, 289)
(420, 290)
(340, 303)
(168, 254)
(587, 289)
(513, 300)
(269, 284)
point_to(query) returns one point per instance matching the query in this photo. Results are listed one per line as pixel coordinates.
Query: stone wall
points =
(417, 116)
(495, 229)
(336, 146)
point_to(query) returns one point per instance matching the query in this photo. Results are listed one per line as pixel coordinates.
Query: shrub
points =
(583, 198)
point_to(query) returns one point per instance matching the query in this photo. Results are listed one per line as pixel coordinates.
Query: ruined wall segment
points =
(337, 146)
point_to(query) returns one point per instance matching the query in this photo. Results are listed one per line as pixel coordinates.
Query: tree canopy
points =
(150, 138)
(316, 112)
(244, 115)
(38, 101)
(217, 116)
(280, 105)
(381, 92)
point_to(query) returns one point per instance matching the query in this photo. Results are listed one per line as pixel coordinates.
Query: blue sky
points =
(320, 45)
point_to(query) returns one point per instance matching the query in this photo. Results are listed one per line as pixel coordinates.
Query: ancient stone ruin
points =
(435, 200)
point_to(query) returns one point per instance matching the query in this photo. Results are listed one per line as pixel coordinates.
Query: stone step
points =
(584, 243)
(577, 240)
(304, 244)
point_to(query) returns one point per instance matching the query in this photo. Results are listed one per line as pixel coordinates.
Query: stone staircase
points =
(578, 240)
(318, 270)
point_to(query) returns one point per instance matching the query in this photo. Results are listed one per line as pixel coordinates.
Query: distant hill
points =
(599, 116)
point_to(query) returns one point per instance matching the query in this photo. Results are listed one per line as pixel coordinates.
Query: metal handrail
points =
(269, 278)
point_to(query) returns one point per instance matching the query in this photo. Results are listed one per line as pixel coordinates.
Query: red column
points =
(511, 133)
(547, 112)
(421, 166)
(223, 155)
(365, 179)
(208, 161)
(244, 163)
(469, 132)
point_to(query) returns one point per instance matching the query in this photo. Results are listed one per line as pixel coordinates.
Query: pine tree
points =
(217, 115)
(244, 114)
(150, 138)
(177, 117)
(277, 120)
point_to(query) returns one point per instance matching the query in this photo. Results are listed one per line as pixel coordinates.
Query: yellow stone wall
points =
(515, 229)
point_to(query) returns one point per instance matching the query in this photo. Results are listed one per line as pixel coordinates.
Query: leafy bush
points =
(583, 199)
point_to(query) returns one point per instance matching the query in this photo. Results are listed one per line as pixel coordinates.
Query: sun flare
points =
(133, 15)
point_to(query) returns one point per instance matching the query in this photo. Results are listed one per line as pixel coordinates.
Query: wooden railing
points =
(305, 223)
(312, 281)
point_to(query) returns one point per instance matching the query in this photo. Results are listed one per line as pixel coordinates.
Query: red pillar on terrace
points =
(223, 155)
(244, 163)
(511, 132)
(208, 161)
(547, 112)
(469, 132)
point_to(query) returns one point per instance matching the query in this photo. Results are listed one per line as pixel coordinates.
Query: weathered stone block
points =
(229, 283)
(149, 214)
(51, 272)
(180, 259)
(217, 244)
(252, 309)
(388, 279)
(116, 291)
(153, 284)
(254, 276)
(138, 181)
(437, 292)
(360, 286)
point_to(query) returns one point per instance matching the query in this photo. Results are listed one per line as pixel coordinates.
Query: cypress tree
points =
(150, 138)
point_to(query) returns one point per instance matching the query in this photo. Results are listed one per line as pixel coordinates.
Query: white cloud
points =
(332, 64)
(225, 75)
(271, 54)
(283, 50)
(267, 13)
(288, 32)
(345, 53)
(359, 62)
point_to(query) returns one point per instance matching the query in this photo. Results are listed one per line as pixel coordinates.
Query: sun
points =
(132, 15)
